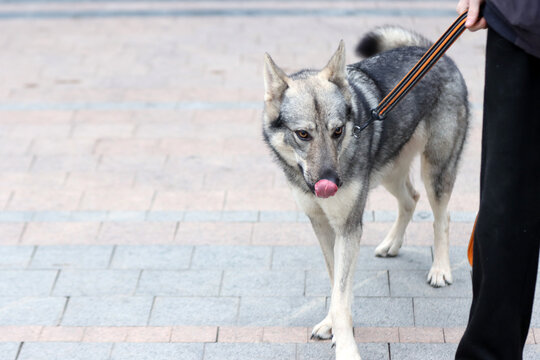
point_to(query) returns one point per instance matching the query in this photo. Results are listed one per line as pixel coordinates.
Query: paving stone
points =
(56, 233)
(531, 352)
(126, 216)
(214, 311)
(423, 351)
(412, 283)
(323, 351)
(71, 256)
(96, 282)
(8, 350)
(366, 283)
(64, 351)
(189, 334)
(107, 311)
(281, 311)
(240, 216)
(459, 259)
(152, 257)
(444, 312)
(164, 216)
(62, 333)
(225, 351)
(128, 232)
(202, 216)
(31, 310)
(282, 334)
(15, 257)
(278, 216)
(263, 283)
(382, 312)
(231, 257)
(535, 319)
(214, 233)
(89, 216)
(180, 283)
(423, 216)
(51, 216)
(26, 282)
(409, 258)
(384, 216)
(159, 351)
(298, 257)
(286, 235)
(240, 334)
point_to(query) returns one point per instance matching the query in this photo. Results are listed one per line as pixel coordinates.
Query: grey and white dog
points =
(308, 124)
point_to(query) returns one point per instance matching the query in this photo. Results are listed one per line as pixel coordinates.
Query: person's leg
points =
(507, 236)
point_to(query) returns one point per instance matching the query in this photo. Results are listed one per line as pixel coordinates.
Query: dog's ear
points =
(275, 80)
(334, 71)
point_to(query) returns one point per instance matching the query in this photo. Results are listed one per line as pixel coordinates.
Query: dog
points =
(308, 124)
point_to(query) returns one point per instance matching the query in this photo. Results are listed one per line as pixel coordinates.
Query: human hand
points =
(474, 22)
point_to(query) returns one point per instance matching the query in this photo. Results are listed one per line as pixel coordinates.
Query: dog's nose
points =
(330, 175)
(328, 184)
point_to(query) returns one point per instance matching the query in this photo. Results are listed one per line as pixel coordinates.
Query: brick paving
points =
(141, 216)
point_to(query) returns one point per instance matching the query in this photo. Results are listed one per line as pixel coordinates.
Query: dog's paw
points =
(323, 330)
(439, 277)
(387, 249)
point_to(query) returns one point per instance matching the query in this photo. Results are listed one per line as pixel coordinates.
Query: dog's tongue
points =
(325, 188)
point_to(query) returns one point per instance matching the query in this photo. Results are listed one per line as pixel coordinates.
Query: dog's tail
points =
(389, 37)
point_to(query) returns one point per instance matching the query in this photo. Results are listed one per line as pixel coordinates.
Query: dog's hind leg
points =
(439, 182)
(407, 197)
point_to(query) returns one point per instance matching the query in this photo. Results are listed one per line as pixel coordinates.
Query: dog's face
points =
(307, 120)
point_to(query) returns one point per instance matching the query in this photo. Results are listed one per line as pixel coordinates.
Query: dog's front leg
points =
(345, 254)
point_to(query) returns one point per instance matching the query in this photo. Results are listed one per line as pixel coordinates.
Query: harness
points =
(426, 62)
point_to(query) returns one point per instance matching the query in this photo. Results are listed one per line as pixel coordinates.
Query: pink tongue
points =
(325, 188)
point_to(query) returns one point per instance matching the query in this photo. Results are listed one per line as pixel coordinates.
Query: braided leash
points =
(423, 65)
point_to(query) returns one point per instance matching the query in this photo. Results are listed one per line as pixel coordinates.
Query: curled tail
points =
(389, 37)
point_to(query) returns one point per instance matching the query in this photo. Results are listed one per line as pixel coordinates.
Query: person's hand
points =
(474, 22)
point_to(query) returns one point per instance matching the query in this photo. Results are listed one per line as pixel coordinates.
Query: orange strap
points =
(471, 243)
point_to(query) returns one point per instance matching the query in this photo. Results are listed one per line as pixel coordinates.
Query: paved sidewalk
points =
(142, 217)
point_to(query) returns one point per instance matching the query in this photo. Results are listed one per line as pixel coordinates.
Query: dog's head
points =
(307, 120)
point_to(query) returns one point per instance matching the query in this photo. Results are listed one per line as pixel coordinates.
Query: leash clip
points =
(375, 116)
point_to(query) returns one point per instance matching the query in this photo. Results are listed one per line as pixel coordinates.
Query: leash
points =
(423, 65)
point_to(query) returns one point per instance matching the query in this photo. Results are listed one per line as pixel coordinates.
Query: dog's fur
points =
(432, 121)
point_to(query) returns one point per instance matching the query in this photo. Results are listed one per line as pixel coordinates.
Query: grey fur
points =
(431, 120)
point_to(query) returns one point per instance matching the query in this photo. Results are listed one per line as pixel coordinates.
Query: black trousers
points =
(507, 236)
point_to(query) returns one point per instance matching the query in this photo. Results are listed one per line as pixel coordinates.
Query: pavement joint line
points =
(227, 12)
(131, 106)
(381, 216)
(10, 2)
(26, 333)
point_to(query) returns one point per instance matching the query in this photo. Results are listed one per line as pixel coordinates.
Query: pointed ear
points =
(275, 80)
(334, 71)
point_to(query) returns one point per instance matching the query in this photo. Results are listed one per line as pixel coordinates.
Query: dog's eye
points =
(337, 133)
(303, 135)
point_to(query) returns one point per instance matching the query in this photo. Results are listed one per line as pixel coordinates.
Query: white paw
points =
(439, 276)
(387, 249)
(382, 249)
(323, 330)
